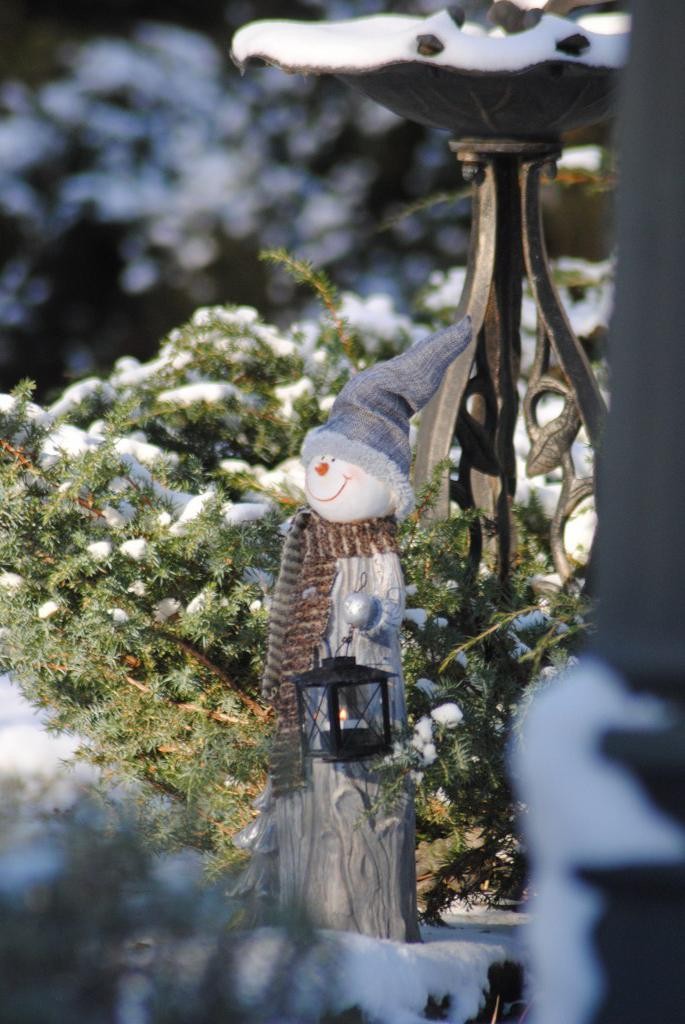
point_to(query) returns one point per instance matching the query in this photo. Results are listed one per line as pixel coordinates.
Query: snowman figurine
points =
(324, 840)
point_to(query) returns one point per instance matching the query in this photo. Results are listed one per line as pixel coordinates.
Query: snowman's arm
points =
(389, 612)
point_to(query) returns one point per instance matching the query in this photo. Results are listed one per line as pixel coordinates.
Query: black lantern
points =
(344, 710)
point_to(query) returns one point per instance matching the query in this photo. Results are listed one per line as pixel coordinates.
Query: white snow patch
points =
(197, 604)
(581, 158)
(580, 531)
(100, 550)
(376, 319)
(119, 615)
(77, 393)
(207, 391)
(66, 440)
(235, 466)
(449, 715)
(129, 371)
(360, 44)
(8, 406)
(191, 511)
(288, 394)
(166, 609)
(48, 609)
(142, 450)
(606, 24)
(390, 982)
(288, 476)
(244, 512)
(444, 289)
(419, 616)
(427, 686)
(423, 730)
(29, 752)
(134, 549)
(113, 517)
(530, 620)
(10, 580)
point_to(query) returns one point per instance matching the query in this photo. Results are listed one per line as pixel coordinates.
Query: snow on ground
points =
(391, 982)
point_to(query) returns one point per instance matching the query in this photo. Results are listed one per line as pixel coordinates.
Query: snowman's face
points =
(344, 493)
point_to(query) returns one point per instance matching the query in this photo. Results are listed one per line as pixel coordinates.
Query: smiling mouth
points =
(334, 496)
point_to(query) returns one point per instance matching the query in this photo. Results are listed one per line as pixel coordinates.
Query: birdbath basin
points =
(535, 85)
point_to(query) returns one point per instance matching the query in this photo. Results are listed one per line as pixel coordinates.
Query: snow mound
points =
(391, 982)
(360, 44)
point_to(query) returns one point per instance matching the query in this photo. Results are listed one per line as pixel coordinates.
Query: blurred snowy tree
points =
(140, 176)
(96, 929)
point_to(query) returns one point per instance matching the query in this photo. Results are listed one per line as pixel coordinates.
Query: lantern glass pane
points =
(317, 730)
(360, 712)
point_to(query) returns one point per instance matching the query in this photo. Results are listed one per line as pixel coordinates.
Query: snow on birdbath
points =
(534, 84)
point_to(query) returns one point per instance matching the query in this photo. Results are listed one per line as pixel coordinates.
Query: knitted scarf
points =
(300, 611)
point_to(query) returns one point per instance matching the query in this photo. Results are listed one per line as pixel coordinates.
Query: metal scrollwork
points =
(478, 401)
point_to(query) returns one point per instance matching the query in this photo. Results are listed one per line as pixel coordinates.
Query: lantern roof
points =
(341, 669)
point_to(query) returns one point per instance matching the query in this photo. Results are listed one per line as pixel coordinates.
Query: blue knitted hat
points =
(369, 421)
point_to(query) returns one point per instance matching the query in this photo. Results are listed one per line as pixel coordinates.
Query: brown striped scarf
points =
(300, 611)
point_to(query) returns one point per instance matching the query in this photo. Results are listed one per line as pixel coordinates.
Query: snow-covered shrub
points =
(473, 651)
(95, 928)
(139, 539)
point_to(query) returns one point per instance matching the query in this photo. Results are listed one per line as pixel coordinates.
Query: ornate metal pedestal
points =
(434, 74)
(479, 400)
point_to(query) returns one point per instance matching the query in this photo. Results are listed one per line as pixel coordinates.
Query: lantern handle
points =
(317, 653)
(361, 585)
(345, 642)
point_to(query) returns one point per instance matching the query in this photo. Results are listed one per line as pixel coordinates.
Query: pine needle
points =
(502, 620)
(425, 203)
(303, 272)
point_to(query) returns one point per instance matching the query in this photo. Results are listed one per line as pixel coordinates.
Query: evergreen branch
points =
(87, 504)
(282, 497)
(425, 203)
(502, 620)
(303, 272)
(18, 454)
(551, 638)
(217, 716)
(262, 713)
(429, 493)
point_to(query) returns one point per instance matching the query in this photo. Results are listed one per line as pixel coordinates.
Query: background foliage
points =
(140, 176)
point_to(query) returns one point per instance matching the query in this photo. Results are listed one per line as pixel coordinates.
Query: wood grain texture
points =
(349, 868)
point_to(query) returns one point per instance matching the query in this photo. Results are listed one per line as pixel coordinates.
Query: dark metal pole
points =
(641, 565)
(642, 551)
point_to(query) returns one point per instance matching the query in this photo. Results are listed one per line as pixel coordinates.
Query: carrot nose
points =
(321, 469)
